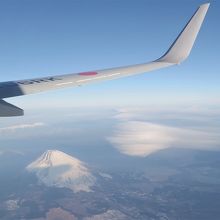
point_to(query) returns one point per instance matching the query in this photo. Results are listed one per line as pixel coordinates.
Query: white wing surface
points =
(177, 53)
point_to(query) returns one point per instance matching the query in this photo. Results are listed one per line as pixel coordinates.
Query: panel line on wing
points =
(98, 77)
(64, 83)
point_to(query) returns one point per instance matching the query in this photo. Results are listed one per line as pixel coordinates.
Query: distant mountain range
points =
(56, 168)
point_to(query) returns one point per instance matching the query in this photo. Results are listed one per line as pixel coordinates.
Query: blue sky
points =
(44, 37)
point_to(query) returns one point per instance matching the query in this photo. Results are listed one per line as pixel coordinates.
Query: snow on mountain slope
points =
(55, 168)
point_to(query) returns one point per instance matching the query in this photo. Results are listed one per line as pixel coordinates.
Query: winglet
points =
(181, 47)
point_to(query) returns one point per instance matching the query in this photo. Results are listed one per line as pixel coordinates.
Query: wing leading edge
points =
(178, 52)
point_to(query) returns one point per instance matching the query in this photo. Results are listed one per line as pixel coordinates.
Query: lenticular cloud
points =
(136, 138)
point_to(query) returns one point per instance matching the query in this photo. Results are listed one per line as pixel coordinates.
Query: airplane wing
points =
(177, 53)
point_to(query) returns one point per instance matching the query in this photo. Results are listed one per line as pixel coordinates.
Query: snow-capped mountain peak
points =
(56, 168)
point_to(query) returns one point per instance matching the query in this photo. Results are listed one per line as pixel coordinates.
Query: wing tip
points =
(181, 47)
(205, 5)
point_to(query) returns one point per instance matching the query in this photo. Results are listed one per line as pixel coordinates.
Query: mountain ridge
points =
(58, 169)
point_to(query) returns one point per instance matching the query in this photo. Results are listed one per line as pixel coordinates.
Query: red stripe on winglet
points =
(88, 73)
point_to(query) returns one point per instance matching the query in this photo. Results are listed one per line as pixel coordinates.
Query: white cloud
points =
(137, 138)
(194, 112)
(21, 126)
(12, 205)
(22, 131)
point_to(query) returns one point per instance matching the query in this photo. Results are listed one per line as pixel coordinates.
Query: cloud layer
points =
(21, 131)
(21, 126)
(137, 138)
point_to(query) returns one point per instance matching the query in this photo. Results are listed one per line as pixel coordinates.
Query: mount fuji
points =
(58, 169)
